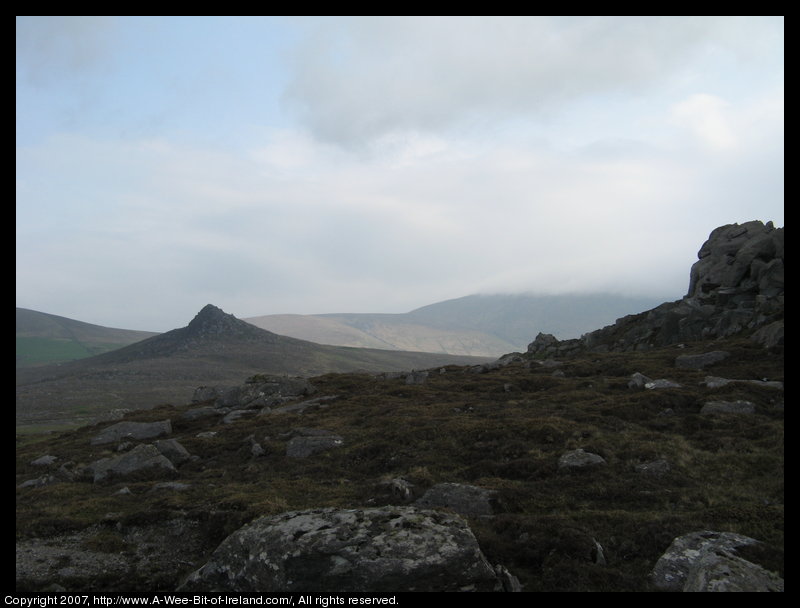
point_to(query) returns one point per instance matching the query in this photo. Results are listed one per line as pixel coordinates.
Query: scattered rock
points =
(580, 459)
(464, 499)
(701, 361)
(661, 383)
(638, 381)
(356, 550)
(132, 430)
(44, 461)
(143, 457)
(508, 581)
(400, 489)
(235, 415)
(770, 335)
(44, 480)
(716, 382)
(175, 486)
(201, 412)
(709, 561)
(257, 392)
(416, 377)
(311, 441)
(728, 407)
(174, 451)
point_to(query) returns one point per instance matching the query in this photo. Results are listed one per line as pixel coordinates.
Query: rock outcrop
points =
(737, 284)
(257, 392)
(128, 430)
(713, 561)
(354, 550)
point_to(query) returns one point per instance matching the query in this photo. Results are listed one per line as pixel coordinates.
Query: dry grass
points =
(502, 430)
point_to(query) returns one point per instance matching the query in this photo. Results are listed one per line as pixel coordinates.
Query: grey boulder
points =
(141, 458)
(710, 561)
(355, 550)
(132, 430)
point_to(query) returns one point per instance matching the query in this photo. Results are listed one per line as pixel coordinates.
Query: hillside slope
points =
(481, 325)
(43, 338)
(215, 348)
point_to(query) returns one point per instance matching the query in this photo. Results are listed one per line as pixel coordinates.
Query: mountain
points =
(487, 325)
(214, 348)
(647, 456)
(44, 338)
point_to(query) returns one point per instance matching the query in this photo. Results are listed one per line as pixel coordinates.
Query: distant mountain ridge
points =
(214, 348)
(490, 325)
(44, 338)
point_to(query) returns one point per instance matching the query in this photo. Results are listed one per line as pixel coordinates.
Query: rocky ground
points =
(572, 474)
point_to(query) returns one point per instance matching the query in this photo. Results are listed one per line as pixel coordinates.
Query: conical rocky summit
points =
(212, 322)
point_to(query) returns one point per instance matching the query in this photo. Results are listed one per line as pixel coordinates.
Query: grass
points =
(503, 430)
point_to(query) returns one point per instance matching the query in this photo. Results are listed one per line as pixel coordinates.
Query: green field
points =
(41, 351)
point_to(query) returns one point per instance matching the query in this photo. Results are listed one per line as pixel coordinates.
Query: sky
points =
(307, 165)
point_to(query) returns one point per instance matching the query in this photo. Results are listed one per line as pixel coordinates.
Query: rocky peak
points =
(212, 321)
(739, 259)
(737, 284)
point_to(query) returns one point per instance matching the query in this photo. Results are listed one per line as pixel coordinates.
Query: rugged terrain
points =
(214, 347)
(645, 456)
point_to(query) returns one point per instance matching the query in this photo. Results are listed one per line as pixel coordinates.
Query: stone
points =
(728, 407)
(200, 412)
(132, 430)
(770, 335)
(144, 457)
(580, 459)
(724, 572)
(399, 488)
(464, 499)
(717, 382)
(416, 377)
(709, 561)
(379, 550)
(44, 480)
(173, 450)
(701, 361)
(259, 391)
(235, 415)
(44, 461)
(308, 444)
(661, 383)
(638, 380)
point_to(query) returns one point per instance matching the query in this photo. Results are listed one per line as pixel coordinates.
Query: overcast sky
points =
(378, 164)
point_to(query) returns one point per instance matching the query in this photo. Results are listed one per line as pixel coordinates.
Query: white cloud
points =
(434, 158)
(707, 118)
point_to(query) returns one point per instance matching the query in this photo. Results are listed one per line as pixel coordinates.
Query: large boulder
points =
(258, 391)
(355, 550)
(144, 457)
(132, 431)
(711, 561)
(580, 459)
